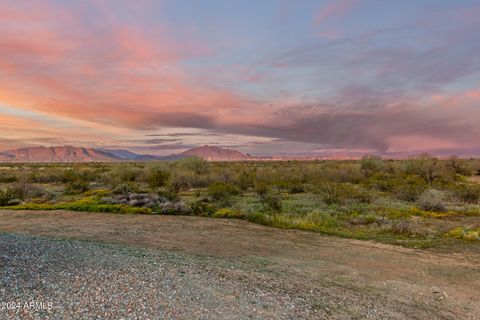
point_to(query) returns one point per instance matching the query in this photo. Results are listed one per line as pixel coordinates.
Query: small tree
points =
(156, 175)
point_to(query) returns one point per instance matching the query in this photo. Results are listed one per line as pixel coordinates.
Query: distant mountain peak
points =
(56, 154)
(81, 154)
(212, 153)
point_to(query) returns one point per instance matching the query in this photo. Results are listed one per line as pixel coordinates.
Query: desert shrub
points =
(296, 188)
(24, 191)
(432, 200)
(358, 194)
(122, 173)
(380, 181)
(261, 188)
(125, 188)
(409, 188)
(226, 175)
(363, 219)
(246, 180)
(324, 219)
(271, 202)
(32, 191)
(76, 186)
(70, 175)
(169, 193)
(221, 191)
(429, 169)
(227, 213)
(341, 193)
(203, 207)
(17, 193)
(475, 166)
(6, 198)
(401, 227)
(156, 175)
(340, 172)
(460, 166)
(76, 173)
(6, 177)
(182, 179)
(195, 164)
(332, 193)
(48, 175)
(370, 165)
(469, 193)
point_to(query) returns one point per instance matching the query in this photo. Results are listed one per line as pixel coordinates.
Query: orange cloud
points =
(105, 75)
(117, 74)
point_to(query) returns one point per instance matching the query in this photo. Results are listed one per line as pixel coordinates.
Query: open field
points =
(419, 203)
(196, 239)
(217, 268)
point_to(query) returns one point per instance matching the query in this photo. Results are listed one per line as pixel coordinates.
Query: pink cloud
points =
(419, 143)
(118, 74)
(334, 9)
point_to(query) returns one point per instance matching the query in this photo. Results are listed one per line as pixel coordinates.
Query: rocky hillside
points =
(211, 153)
(77, 154)
(56, 154)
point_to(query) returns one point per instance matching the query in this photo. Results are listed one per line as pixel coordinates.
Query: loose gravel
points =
(65, 279)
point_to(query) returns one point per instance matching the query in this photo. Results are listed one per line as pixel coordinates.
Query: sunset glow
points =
(265, 77)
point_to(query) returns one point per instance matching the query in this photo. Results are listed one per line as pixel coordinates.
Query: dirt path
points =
(413, 283)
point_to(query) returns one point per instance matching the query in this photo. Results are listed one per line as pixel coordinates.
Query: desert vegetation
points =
(418, 202)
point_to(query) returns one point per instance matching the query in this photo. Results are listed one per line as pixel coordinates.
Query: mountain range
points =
(79, 154)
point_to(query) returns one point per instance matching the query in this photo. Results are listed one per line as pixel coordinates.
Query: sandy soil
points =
(406, 283)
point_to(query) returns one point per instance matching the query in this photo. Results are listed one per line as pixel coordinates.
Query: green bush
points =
(381, 181)
(6, 177)
(409, 188)
(296, 188)
(203, 208)
(272, 202)
(76, 187)
(169, 193)
(342, 193)
(469, 193)
(48, 175)
(156, 175)
(195, 164)
(370, 165)
(5, 198)
(122, 173)
(332, 193)
(246, 180)
(261, 188)
(221, 191)
(125, 188)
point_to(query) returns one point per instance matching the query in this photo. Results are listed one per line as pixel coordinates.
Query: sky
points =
(263, 77)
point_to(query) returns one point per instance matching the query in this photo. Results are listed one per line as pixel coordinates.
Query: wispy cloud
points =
(107, 72)
(334, 9)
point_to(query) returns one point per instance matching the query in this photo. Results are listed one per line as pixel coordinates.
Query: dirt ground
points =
(426, 284)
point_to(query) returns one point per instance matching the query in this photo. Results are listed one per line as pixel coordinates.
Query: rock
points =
(14, 202)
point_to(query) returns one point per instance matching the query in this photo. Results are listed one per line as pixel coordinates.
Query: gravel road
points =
(71, 265)
(87, 280)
